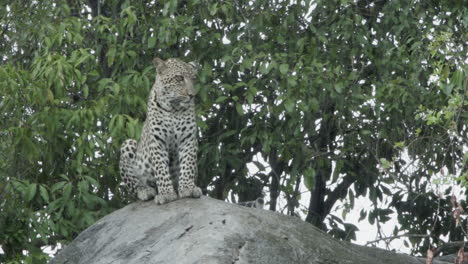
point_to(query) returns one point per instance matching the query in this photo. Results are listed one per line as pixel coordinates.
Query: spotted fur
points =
(163, 164)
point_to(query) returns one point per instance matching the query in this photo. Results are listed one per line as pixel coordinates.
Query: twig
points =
(395, 237)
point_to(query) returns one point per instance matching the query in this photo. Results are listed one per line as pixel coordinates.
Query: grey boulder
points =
(208, 231)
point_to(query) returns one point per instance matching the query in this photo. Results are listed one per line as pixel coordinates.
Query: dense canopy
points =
(345, 99)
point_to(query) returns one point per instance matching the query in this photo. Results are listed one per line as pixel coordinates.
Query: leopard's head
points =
(175, 83)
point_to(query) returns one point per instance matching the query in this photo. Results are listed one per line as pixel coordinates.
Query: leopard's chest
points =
(170, 127)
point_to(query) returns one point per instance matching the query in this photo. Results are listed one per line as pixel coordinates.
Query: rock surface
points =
(209, 231)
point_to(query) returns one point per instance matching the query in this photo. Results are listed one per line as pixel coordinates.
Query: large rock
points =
(211, 231)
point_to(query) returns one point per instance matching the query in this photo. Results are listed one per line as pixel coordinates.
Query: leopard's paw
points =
(194, 192)
(146, 193)
(165, 198)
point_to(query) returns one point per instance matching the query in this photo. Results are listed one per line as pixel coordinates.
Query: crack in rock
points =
(185, 232)
(238, 252)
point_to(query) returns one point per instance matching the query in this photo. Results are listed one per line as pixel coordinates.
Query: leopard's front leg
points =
(160, 165)
(188, 168)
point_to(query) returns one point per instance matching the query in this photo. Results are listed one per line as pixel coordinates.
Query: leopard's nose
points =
(189, 88)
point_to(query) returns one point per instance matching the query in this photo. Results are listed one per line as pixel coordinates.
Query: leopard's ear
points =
(159, 64)
(195, 65)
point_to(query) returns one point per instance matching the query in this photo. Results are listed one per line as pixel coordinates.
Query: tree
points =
(344, 97)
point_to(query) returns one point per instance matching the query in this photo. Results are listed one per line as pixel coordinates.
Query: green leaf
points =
(88, 218)
(221, 99)
(132, 54)
(228, 134)
(365, 132)
(351, 198)
(85, 91)
(70, 208)
(115, 88)
(31, 192)
(81, 59)
(214, 9)
(284, 68)
(111, 56)
(58, 186)
(385, 163)
(339, 87)
(362, 215)
(399, 144)
(44, 194)
(431, 120)
(50, 96)
(151, 42)
(265, 68)
(289, 105)
(314, 104)
(83, 186)
(92, 181)
(67, 189)
(337, 170)
(457, 78)
(166, 8)
(309, 178)
(249, 98)
(292, 81)
(239, 109)
(300, 43)
(63, 176)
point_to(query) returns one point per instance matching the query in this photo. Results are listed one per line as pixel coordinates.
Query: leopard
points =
(162, 164)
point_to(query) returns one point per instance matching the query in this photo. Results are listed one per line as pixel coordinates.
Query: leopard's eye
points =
(178, 78)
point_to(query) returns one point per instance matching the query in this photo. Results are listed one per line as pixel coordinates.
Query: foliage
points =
(347, 98)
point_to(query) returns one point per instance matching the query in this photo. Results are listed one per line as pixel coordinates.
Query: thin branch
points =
(395, 237)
